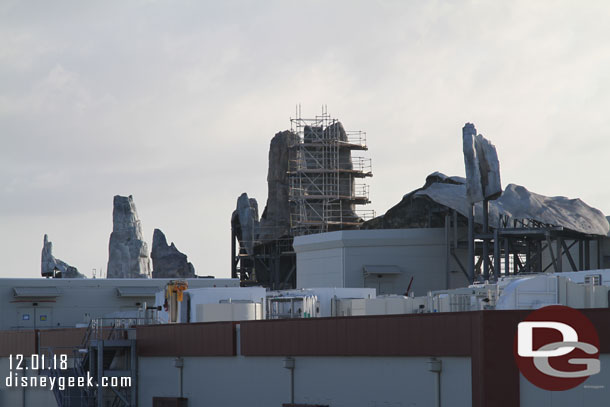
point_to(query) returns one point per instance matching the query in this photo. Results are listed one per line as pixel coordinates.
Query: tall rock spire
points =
(128, 252)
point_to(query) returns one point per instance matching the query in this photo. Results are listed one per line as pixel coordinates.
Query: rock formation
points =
(426, 207)
(482, 166)
(311, 189)
(167, 260)
(415, 210)
(52, 267)
(275, 220)
(517, 203)
(128, 253)
(284, 157)
(244, 221)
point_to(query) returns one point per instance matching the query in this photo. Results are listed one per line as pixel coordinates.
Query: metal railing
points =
(356, 137)
(117, 328)
(365, 214)
(75, 358)
(362, 164)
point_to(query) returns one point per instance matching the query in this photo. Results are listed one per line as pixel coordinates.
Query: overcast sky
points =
(175, 102)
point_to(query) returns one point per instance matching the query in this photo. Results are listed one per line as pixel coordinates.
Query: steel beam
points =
(485, 241)
(471, 243)
(587, 254)
(559, 254)
(496, 254)
(550, 246)
(566, 249)
(506, 257)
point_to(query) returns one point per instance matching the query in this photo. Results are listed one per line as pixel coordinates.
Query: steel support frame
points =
(557, 245)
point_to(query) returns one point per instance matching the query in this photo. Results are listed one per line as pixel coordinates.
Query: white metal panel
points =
(215, 295)
(228, 312)
(322, 268)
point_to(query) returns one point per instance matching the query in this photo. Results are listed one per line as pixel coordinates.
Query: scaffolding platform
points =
(322, 171)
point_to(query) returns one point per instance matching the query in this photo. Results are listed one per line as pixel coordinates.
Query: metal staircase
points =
(107, 353)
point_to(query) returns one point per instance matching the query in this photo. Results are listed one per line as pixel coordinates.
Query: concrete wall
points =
(594, 392)
(335, 381)
(78, 300)
(22, 396)
(337, 259)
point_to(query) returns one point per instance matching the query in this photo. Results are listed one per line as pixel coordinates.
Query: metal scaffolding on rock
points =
(325, 184)
(323, 188)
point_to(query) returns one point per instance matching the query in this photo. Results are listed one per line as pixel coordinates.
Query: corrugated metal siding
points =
(199, 339)
(17, 342)
(601, 320)
(495, 375)
(62, 340)
(388, 335)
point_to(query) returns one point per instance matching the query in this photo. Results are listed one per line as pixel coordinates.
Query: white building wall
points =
(425, 263)
(329, 259)
(78, 300)
(336, 381)
(324, 268)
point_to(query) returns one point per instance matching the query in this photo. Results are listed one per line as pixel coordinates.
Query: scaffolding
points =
(320, 192)
(326, 182)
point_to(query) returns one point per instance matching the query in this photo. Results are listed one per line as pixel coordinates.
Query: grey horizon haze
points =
(175, 102)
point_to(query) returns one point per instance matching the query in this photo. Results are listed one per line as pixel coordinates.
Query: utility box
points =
(228, 311)
(379, 306)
